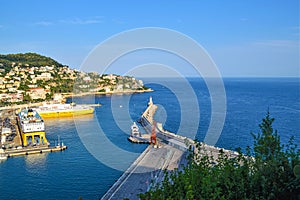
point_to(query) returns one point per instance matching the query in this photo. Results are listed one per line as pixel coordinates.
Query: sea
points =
(88, 168)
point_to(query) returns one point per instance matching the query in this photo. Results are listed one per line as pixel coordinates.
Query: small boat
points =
(137, 137)
(135, 130)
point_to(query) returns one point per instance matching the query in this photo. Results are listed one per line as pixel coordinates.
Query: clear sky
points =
(244, 38)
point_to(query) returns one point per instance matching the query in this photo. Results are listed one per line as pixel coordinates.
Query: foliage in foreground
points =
(273, 173)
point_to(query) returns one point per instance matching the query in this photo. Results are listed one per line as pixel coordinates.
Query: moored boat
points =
(135, 130)
(32, 128)
(63, 110)
(136, 136)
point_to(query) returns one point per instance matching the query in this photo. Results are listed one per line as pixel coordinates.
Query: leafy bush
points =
(268, 171)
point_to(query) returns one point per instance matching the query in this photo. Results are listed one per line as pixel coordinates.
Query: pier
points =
(33, 150)
(146, 171)
(15, 146)
(171, 152)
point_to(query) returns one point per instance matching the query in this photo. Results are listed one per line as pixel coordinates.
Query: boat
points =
(63, 110)
(136, 136)
(3, 155)
(32, 128)
(135, 130)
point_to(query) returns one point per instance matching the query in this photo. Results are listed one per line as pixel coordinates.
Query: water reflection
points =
(36, 163)
(67, 120)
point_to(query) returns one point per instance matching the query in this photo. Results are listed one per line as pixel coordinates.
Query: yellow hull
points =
(67, 113)
(41, 136)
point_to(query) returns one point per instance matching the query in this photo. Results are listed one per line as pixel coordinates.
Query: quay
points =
(15, 143)
(34, 150)
(148, 169)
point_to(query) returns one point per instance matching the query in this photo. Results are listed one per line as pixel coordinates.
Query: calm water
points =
(75, 172)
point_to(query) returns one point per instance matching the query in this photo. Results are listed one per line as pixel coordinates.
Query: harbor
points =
(24, 134)
(23, 129)
(167, 151)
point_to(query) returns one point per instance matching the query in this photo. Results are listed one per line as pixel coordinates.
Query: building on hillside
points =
(44, 76)
(38, 93)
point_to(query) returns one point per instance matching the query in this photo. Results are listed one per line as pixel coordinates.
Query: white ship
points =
(137, 137)
(135, 130)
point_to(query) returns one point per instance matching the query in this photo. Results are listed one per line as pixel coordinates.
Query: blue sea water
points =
(75, 172)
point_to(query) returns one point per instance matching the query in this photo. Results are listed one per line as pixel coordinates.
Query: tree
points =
(27, 98)
(274, 164)
(273, 172)
(48, 96)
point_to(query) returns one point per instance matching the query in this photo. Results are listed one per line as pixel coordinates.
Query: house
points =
(12, 89)
(37, 93)
(16, 84)
(11, 97)
(44, 76)
(87, 79)
(8, 85)
(32, 86)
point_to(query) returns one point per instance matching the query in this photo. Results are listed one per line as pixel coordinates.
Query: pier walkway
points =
(146, 170)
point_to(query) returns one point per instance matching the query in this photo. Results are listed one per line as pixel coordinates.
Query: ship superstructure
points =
(32, 128)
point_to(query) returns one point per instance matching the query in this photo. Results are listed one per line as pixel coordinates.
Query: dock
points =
(33, 150)
(15, 146)
(148, 169)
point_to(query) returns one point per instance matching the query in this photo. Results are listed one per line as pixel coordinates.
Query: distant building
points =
(37, 93)
(44, 76)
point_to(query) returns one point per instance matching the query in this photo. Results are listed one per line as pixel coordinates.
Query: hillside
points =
(27, 59)
(31, 77)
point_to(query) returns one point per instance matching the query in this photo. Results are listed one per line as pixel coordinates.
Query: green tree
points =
(274, 164)
(27, 98)
(273, 172)
(48, 96)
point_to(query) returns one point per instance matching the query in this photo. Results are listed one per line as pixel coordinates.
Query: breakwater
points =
(147, 170)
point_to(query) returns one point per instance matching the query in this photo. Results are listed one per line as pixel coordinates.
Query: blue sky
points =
(244, 38)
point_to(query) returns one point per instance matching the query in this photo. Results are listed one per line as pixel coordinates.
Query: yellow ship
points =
(63, 110)
(32, 128)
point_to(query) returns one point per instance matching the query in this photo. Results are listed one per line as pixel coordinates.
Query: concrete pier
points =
(33, 150)
(148, 169)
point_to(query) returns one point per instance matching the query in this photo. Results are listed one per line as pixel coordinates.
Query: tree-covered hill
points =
(27, 59)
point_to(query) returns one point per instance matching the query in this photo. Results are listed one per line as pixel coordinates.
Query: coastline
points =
(67, 95)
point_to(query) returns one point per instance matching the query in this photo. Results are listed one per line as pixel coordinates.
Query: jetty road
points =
(146, 171)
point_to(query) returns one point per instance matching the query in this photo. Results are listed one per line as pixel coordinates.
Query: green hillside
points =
(27, 59)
